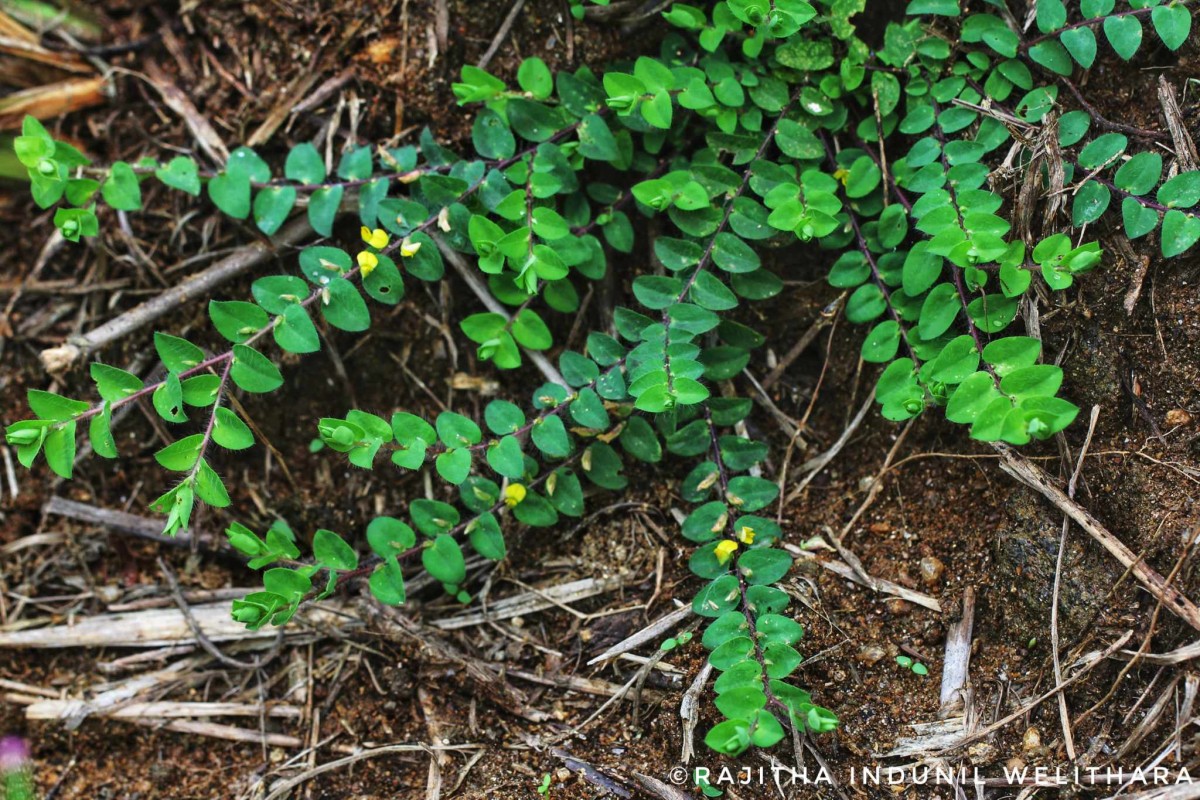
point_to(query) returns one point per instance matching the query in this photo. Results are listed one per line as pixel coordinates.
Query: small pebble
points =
(982, 754)
(871, 656)
(1178, 416)
(931, 570)
(1032, 740)
(897, 607)
(1014, 764)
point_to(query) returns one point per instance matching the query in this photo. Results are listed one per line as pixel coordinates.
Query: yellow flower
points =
(514, 493)
(367, 262)
(746, 535)
(408, 249)
(842, 174)
(377, 238)
(724, 549)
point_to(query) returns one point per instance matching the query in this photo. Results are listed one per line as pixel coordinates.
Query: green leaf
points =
(882, 342)
(588, 410)
(957, 361)
(47, 405)
(1182, 191)
(168, 399)
(491, 136)
(1139, 174)
(1137, 218)
(387, 583)
(230, 432)
(433, 517)
(230, 192)
(972, 397)
(534, 77)
(1051, 15)
(100, 433)
(867, 303)
(389, 537)
(1091, 201)
(355, 164)
(1102, 150)
(209, 486)
(503, 417)
(121, 189)
(764, 566)
(304, 164)
(344, 308)
(1173, 23)
(454, 465)
(455, 430)
(1011, 353)
(944, 8)
(596, 140)
(331, 551)
(530, 331)
(254, 372)
(294, 331)
(1179, 232)
(864, 177)
(748, 493)
(444, 561)
(180, 173)
(272, 206)
(507, 458)
(732, 254)
(939, 311)
(578, 370)
(385, 284)
(237, 320)
(1052, 55)
(323, 205)
(1081, 44)
(550, 437)
(1038, 380)
(992, 313)
(893, 226)
(114, 384)
(59, 449)
(180, 456)
(1124, 34)
(486, 538)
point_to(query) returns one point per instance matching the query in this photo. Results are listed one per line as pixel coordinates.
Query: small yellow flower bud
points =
(377, 238)
(746, 535)
(514, 493)
(724, 549)
(408, 249)
(367, 262)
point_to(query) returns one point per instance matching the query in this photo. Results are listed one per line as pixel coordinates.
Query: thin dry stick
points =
(828, 314)
(1145, 645)
(814, 465)
(501, 33)
(957, 660)
(283, 787)
(802, 425)
(76, 348)
(204, 642)
(1063, 712)
(1034, 477)
(983, 733)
